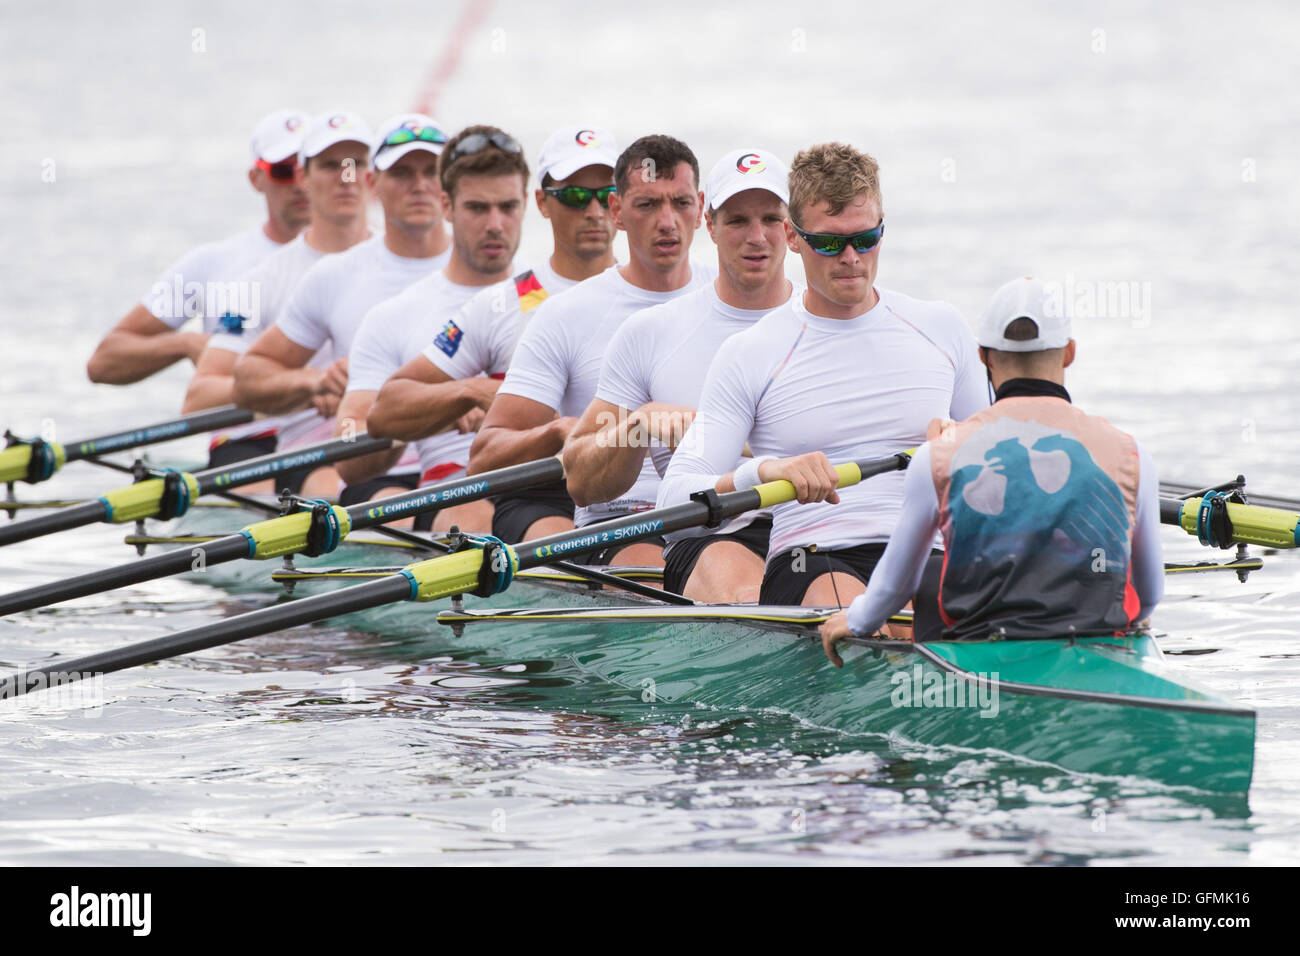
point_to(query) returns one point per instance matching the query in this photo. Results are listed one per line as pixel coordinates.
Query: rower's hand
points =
(813, 476)
(835, 629)
(469, 423)
(329, 388)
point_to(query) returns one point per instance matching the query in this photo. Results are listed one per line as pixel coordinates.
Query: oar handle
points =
(1246, 524)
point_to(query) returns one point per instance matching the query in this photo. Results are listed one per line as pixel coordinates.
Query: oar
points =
(169, 496)
(1221, 523)
(315, 531)
(485, 570)
(37, 459)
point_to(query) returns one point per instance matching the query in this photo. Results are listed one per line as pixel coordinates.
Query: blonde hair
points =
(834, 173)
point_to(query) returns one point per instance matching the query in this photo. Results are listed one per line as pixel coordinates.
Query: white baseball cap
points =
(572, 148)
(1024, 299)
(278, 135)
(427, 134)
(338, 126)
(743, 169)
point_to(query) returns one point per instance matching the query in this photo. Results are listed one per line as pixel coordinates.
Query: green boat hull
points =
(1110, 706)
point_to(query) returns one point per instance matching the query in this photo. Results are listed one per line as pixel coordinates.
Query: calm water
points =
(1145, 162)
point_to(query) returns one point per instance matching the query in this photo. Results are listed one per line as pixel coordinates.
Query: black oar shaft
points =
(502, 481)
(230, 548)
(206, 481)
(227, 416)
(237, 546)
(75, 517)
(357, 598)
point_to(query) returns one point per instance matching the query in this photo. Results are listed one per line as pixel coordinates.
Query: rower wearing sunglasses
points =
(575, 173)
(483, 175)
(148, 339)
(847, 370)
(655, 366)
(299, 360)
(556, 365)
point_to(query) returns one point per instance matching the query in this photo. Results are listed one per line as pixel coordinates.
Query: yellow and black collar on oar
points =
(1219, 522)
(37, 459)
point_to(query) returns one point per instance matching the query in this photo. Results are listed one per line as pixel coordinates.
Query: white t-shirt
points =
(333, 297)
(204, 283)
(859, 388)
(662, 354)
(394, 332)
(491, 323)
(558, 359)
(271, 283)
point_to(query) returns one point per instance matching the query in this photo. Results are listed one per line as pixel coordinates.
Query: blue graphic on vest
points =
(449, 338)
(1055, 501)
(232, 324)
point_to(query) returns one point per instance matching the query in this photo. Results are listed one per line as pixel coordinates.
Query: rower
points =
(1050, 517)
(334, 156)
(483, 175)
(846, 370)
(575, 174)
(149, 338)
(277, 373)
(655, 366)
(556, 364)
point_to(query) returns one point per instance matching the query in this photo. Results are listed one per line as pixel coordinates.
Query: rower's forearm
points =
(602, 465)
(410, 410)
(124, 358)
(353, 471)
(269, 387)
(498, 447)
(208, 391)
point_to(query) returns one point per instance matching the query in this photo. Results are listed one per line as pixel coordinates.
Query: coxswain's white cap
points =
(1025, 299)
(427, 134)
(743, 169)
(279, 135)
(572, 148)
(336, 127)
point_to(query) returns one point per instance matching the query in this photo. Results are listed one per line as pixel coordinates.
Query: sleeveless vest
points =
(1037, 507)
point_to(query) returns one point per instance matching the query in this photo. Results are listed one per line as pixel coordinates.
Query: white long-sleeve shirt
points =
(858, 388)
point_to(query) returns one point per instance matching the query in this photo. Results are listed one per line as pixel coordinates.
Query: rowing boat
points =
(1102, 705)
(1112, 706)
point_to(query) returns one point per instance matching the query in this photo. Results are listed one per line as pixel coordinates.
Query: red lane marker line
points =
(471, 16)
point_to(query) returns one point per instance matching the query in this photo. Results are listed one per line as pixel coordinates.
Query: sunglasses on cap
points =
(829, 244)
(477, 141)
(407, 134)
(282, 172)
(579, 197)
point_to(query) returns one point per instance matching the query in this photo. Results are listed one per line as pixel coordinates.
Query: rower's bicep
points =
(276, 346)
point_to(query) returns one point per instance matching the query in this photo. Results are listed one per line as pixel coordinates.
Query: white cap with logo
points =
(572, 148)
(336, 127)
(743, 169)
(278, 135)
(1024, 299)
(405, 133)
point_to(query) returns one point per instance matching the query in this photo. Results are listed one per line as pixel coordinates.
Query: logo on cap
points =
(586, 137)
(339, 122)
(751, 163)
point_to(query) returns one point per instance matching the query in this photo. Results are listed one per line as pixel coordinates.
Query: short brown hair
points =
(491, 160)
(833, 173)
(664, 152)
